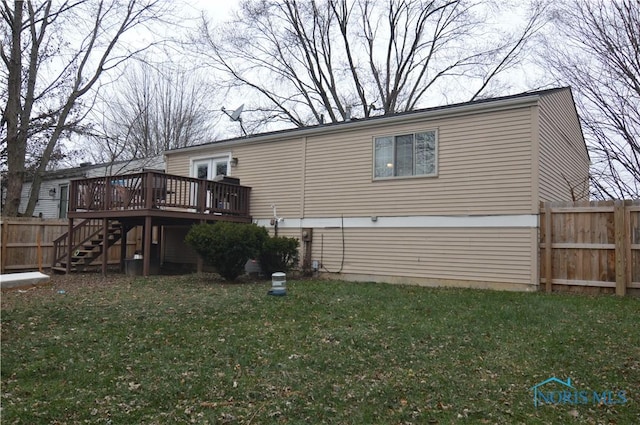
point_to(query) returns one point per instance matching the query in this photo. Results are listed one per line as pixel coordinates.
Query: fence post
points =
(39, 246)
(5, 238)
(548, 257)
(629, 250)
(620, 253)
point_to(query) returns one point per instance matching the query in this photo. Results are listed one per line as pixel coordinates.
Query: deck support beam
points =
(124, 230)
(199, 259)
(105, 245)
(146, 246)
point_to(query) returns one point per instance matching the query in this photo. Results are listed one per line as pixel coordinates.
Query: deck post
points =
(105, 245)
(199, 259)
(146, 246)
(107, 194)
(123, 245)
(202, 196)
(159, 246)
(148, 188)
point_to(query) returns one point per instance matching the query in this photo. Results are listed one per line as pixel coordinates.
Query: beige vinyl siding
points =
(487, 164)
(563, 155)
(273, 170)
(500, 256)
(274, 173)
(484, 167)
(178, 163)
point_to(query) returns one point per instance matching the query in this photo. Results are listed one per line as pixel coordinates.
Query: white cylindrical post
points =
(278, 284)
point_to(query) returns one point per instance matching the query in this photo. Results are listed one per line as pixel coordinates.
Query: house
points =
(53, 200)
(441, 196)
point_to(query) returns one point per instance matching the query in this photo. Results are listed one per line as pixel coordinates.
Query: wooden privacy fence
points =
(589, 246)
(27, 243)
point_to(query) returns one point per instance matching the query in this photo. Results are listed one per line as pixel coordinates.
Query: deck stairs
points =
(89, 246)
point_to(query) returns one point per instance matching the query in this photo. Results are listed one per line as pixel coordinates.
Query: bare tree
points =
(153, 109)
(331, 58)
(595, 47)
(55, 53)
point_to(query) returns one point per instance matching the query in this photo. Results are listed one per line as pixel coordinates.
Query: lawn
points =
(168, 350)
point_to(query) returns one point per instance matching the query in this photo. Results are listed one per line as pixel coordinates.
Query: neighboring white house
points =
(54, 191)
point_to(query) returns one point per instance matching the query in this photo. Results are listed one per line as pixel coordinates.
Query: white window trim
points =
(400, 133)
(223, 155)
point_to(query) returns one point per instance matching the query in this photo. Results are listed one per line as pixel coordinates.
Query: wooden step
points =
(83, 260)
(83, 252)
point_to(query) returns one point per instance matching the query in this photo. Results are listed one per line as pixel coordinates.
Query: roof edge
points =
(489, 104)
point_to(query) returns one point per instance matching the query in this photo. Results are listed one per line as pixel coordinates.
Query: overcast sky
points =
(221, 10)
(507, 13)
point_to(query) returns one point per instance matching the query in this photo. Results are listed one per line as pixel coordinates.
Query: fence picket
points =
(20, 243)
(591, 245)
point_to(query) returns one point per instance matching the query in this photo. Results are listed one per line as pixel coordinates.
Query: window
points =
(209, 168)
(405, 155)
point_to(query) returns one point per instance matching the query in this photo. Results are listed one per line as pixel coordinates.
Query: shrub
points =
(279, 254)
(227, 246)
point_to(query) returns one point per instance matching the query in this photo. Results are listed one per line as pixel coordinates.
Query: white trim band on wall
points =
(429, 221)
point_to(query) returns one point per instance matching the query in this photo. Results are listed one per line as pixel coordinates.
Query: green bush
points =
(227, 246)
(279, 254)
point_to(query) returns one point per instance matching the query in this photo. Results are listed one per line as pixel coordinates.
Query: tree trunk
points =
(16, 146)
(46, 156)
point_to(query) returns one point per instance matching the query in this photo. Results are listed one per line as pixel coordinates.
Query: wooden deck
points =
(149, 199)
(158, 195)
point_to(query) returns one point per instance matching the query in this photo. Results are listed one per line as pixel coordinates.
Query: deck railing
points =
(155, 190)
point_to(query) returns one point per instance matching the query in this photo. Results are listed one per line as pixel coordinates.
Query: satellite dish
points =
(235, 116)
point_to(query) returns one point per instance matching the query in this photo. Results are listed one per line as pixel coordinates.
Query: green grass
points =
(188, 350)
